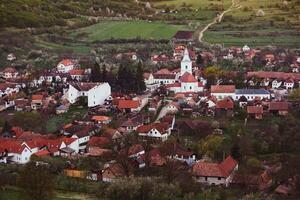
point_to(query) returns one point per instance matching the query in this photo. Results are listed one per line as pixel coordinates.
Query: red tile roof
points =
(223, 169)
(163, 71)
(171, 85)
(225, 103)
(255, 110)
(101, 118)
(280, 106)
(228, 165)
(161, 127)
(66, 62)
(222, 89)
(134, 149)
(10, 70)
(42, 153)
(37, 97)
(274, 75)
(79, 72)
(187, 78)
(98, 141)
(126, 104)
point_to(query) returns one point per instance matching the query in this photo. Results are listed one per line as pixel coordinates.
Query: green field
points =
(128, 30)
(279, 25)
(56, 121)
(231, 38)
(14, 194)
(196, 4)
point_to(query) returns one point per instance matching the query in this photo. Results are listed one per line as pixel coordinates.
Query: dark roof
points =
(184, 35)
(84, 86)
(164, 76)
(251, 91)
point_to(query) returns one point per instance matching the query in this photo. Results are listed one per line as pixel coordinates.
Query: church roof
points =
(186, 56)
(187, 78)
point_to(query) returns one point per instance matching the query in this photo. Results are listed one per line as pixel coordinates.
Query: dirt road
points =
(217, 19)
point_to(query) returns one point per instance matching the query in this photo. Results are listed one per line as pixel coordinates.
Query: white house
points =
(8, 88)
(289, 84)
(9, 72)
(65, 66)
(155, 132)
(246, 48)
(17, 151)
(96, 93)
(11, 57)
(276, 83)
(215, 173)
(251, 94)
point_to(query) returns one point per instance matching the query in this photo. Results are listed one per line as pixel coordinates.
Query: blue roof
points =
(251, 91)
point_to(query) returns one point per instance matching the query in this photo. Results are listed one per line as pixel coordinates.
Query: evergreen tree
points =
(120, 78)
(104, 74)
(139, 78)
(199, 60)
(6, 127)
(96, 73)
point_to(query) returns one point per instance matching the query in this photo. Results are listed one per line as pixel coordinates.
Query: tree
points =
(96, 73)
(29, 121)
(199, 60)
(6, 127)
(37, 182)
(294, 95)
(140, 83)
(211, 145)
(104, 74)
(212, 74)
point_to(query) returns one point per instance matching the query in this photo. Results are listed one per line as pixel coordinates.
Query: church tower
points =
(186, 63)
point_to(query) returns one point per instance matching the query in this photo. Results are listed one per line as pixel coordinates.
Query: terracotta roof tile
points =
(222, 89)
(187, 78)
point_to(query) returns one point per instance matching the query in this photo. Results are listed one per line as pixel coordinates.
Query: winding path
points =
(234, 5)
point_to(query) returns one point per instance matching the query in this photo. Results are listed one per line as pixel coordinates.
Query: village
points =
(191, 118)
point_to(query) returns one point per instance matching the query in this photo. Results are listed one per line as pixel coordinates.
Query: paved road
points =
(218, 18)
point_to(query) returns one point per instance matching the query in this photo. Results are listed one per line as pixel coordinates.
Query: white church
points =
(186, 82)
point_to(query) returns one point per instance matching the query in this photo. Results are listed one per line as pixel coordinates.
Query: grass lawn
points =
(229, 38)
(14, 194)
(68, 47)
(56, 121)
(129, 29)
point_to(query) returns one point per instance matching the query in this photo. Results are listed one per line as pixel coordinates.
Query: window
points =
(190, 87)
(219, 178)
(205, 178)
(186, 67)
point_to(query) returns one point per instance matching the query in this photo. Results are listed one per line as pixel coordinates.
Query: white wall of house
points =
(23, 157)
(64, 68)
(221, 96)
(81, 141)
(164, 81)
(251, 97)
(288, 85)
(98, 94)
(276, 84)
(211, 180)
(74, 145)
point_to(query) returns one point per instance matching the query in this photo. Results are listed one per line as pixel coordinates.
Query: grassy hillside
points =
(279, 25)
(128, 29)
(45, 13)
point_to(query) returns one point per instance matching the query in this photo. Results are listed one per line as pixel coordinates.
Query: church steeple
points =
(186, 63)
